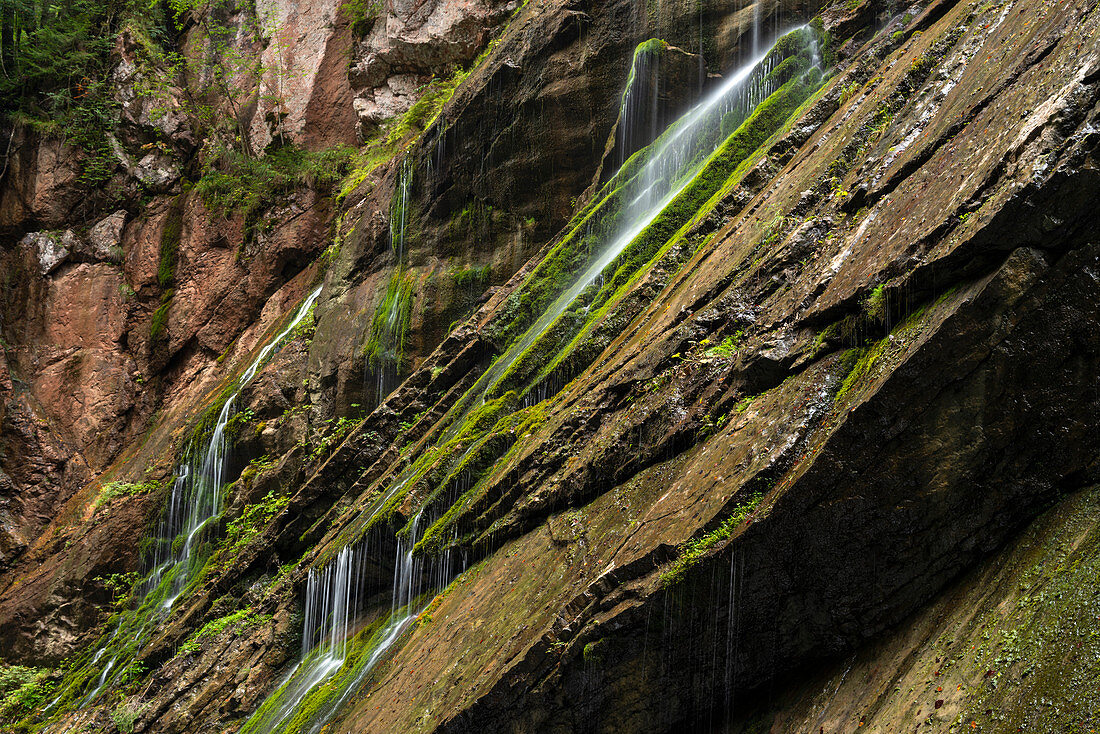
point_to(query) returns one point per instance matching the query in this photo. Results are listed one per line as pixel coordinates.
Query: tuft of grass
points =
(237, 621)
(694, 549)
(114, 490)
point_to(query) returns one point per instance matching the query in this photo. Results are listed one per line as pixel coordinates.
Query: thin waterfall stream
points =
(671, 163)
(194, 503)
(339, 646)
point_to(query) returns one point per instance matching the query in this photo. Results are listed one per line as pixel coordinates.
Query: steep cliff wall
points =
(791, 411)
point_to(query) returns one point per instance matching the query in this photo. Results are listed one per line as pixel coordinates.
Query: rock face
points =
(408, 44)
(778, 468)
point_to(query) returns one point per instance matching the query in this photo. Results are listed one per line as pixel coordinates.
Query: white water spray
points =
(194, 503)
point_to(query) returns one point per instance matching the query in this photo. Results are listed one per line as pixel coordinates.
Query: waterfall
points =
(757, 24)
(197, 491)
(638, 112)
(339, 646)
(336, 647)
(399, 207)
(194, 503)
(386, 340)
(642, 190)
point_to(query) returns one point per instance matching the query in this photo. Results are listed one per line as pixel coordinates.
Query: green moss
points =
(494, 449)
(170, 241)
(321, 700)
(256, 466)
(390, 323)
(159, 321)
(470, 278)
(390, 141)
(725, 165)
(593, 653)
(125, 716)
(694, 549)
(863, 366)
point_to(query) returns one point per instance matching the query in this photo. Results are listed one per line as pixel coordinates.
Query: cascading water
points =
(643, 190)
(757, 25)
(638, 112)
(339, 648)
(194, 503)
(385, 346)
(399, 214)
(336, 646)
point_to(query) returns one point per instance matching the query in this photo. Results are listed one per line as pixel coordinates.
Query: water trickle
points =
(385, 342)
(399, 210)
(647, 185)
(193, 505)
(331, 648)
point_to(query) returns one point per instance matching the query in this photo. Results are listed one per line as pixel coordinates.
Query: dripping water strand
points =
(670, 165)
(194, 502)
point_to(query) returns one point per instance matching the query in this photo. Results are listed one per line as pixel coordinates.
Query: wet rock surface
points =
(775, 461)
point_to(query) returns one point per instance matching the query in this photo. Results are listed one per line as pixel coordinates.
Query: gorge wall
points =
(554, 366)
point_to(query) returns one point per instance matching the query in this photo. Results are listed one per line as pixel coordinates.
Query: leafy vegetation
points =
(54, 60)
(875, 305)
(114, 490)
(22, 689)
(236, 182)
(694, 549)
(241, 532)
(238, 620)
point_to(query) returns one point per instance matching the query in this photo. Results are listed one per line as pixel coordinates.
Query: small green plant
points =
(125, 716)
(848, 92)
(333, 436)
(362, 14)
(237, 621)
(256, 466)
(775, 228)
(694, 549)
(120, 585)
(239, 533)
(875, 306)
(114, 490)
(727, 348)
